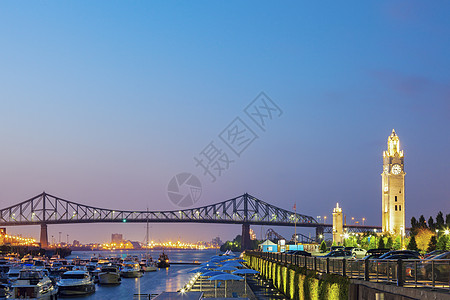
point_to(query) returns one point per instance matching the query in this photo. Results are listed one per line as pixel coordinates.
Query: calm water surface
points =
(170, 279)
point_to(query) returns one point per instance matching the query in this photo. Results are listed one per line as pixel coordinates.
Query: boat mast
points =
(146, 236)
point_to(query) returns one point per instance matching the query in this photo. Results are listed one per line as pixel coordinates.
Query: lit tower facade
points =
(393, 187)
(338, 225)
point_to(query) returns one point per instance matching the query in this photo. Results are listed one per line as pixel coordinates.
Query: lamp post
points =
(324, 219)
(363, 219)
(375, 236)
(345, 238)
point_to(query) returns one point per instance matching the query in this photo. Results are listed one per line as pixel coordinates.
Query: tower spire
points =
(393, 187)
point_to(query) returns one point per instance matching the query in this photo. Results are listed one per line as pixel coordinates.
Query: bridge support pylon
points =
(44, 236)
(245, 240)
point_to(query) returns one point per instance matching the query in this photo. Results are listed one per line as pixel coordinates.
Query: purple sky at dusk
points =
(102, 103)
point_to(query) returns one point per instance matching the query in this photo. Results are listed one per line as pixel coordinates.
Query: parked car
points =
(441, 269)
(391, 254)
(358, 252)
(385, 267)
(339, 254)
(334, 248)
(299, 252)
(375, 253)
(402, 256)
(434, 253)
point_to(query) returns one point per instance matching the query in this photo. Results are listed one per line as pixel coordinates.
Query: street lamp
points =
(324, 219)
(363, 219)
(446, 231)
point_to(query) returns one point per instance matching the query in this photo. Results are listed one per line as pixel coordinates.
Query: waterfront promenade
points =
(234, 289)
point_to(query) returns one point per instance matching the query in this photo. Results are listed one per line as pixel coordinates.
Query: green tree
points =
(350, 241)
(414, 225)
(422, 222)
(442, 242)
(365, 242)
(334, 243)
(432, 244)
(373, 242)
(323, 246)
(381, 244)
(397, 243)
(431, 224)
(389, 243)
(412, 245)
(440, 220)
(447, 220)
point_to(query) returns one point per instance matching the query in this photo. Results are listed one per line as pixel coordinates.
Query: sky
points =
(104, 102)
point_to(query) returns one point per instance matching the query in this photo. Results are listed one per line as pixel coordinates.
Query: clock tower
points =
(393, 187)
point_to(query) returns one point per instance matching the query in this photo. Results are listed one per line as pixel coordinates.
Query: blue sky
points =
(102, 102)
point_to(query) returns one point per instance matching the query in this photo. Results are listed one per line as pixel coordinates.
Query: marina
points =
(141, 286)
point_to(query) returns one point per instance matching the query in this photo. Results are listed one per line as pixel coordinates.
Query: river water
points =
(169, 280)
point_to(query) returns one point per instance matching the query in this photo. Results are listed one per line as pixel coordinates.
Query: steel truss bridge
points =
(45, 209)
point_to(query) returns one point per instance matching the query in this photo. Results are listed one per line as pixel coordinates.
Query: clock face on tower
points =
(396, 169)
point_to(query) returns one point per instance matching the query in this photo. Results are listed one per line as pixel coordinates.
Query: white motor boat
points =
(131, 270)
(75, 283)
(33, 284)
(13, 273)
(148, 265)
(109, 275)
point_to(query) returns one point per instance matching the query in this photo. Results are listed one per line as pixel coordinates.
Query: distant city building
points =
(76, 243)
(116, 238)
(393, 187)
(2, 231)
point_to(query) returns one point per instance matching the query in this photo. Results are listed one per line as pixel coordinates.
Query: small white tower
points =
(338, 225)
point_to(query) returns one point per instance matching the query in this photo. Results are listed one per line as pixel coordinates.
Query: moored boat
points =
(109, 275)
(131, 270)
(163, 261)
(148, 265)
(76, 283)
(33, 284)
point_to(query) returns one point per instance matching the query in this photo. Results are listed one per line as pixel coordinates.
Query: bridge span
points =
(45, 209)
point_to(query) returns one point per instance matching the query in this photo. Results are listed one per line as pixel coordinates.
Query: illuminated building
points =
(393, 187)
(116, 238)
(338, 225)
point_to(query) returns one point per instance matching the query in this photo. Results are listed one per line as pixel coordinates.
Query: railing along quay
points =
(431, 273)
